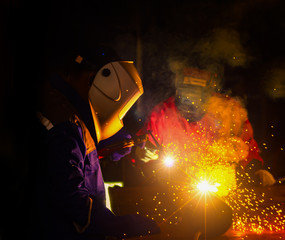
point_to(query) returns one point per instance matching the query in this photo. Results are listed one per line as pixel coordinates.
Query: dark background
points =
(242, 41)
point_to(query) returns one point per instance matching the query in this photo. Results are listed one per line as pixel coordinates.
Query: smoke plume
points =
(274, 82)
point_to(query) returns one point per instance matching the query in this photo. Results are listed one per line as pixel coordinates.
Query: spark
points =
(204, 186)
(169, 161)
(208, 169)
(201, 158)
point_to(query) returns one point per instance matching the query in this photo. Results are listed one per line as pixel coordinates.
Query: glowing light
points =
(205, 187)
(168, 161)
(107, 185)
(203, 156)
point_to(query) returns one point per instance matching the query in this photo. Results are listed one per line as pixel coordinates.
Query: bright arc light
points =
(168, 161)
(205, 187)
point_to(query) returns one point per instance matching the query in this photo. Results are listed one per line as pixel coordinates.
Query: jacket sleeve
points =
(65, 165)
(114, 145)
(69, 194)
(254, 151)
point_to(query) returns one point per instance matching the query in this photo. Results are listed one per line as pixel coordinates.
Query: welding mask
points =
(114, 89)
(193, 88)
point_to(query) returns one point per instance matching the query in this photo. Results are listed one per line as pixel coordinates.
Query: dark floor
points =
(224, 237)
(274, 196)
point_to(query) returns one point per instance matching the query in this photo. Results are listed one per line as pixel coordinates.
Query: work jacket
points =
(225, 119)
(70, 186)
(72, 176)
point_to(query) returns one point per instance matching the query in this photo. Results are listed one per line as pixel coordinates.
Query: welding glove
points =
(266, 178)
(118, 138)
(147, 154)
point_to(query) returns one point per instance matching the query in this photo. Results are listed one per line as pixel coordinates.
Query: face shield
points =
(114, 90)
(193, 88)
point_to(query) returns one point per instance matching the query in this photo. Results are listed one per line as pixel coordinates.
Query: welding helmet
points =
(114, 89)
(193, 88)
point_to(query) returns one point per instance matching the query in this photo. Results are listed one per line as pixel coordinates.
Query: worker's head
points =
(193, 88)
(110, 86)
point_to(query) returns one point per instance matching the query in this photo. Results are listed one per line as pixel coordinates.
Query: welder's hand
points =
(116, 156)
(146, 154)
(137, 225)
(266, 179)
(118, 138)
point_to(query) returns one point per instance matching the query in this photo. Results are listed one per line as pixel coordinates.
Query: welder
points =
(197, 114)
(84, 102)
(208, 132)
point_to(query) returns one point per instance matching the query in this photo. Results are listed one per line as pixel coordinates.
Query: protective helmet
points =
(193, 88)
(114, 90)
(111, 89)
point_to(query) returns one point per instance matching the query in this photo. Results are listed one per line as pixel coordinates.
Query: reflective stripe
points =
(47, 123)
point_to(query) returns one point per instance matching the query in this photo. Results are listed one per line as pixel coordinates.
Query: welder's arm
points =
(66, 178)
(120, 145)
(69, 194)
(117, 146)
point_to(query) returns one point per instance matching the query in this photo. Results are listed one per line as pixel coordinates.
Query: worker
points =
(84, 102)
(197, 122)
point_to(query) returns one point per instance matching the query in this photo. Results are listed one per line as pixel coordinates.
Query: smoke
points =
(222, 46)
(230, 112)
(174, 38)
(219, 48)
(274, 82)
(166, 61)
